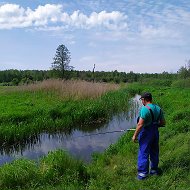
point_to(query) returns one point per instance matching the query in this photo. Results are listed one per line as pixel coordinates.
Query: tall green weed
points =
(181, 83)
(116, 167)
(56, 167)
(35, 112)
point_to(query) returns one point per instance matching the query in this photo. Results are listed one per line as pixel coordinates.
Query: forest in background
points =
(14, 77)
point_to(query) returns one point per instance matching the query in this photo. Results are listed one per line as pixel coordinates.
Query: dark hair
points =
(146, 96)
(148, 99)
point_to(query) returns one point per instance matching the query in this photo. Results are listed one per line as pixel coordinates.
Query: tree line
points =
(61, 69)
(19, 77)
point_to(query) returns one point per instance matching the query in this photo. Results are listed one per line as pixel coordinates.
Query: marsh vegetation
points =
(29, 110)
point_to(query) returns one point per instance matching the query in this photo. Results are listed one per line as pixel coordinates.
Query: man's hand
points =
(134, 138)
(138, 129)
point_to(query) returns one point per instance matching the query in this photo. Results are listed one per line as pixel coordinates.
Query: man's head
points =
(146, 96)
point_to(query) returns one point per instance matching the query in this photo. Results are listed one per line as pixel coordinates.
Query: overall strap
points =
(152, 115)
(151, 112)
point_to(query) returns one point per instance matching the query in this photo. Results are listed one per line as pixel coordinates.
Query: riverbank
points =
(116, 167)
(81, 143)
(27, 111)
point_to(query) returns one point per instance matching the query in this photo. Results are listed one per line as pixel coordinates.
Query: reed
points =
(72, 89)
(56, 105)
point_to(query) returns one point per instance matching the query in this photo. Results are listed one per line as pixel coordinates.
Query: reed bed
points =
(57, 105)
(74, 89)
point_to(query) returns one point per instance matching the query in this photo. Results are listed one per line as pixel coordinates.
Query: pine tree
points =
(61, 60)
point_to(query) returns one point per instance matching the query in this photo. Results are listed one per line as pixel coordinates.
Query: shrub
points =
(181, 83)
(18, 174)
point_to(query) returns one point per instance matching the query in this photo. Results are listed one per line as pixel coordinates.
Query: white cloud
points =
(52, 16)
(151, 31)
(12, 15)
(44, 14)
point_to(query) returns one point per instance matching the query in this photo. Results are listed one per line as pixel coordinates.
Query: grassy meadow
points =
(29, 110)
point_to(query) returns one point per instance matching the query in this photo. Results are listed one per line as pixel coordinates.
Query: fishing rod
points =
(102, 133)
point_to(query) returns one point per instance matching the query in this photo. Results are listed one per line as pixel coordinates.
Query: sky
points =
(142, 36)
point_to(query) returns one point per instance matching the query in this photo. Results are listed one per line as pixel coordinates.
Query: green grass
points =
(56, 167)
(24, 114)
(181, 83)
(116, 167)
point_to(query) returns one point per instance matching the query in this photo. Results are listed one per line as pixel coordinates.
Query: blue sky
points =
(126, 35)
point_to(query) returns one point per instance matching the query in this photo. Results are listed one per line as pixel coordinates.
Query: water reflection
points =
(78, 142)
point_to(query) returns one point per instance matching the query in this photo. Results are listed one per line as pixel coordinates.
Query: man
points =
(150, 118)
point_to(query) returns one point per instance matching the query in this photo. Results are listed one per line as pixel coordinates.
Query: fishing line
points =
(103, 133)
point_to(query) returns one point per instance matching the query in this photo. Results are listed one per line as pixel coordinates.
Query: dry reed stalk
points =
(71, 89)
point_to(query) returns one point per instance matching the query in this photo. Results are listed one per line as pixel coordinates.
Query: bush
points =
(181, 83)
(157, 82)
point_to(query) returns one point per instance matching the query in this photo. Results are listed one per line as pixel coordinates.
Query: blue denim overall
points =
(148, 148)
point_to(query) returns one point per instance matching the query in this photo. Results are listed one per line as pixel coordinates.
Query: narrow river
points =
(79, 143)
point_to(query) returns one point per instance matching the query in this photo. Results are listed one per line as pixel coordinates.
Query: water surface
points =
(80, 143)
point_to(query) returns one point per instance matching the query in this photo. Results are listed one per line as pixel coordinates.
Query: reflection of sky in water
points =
(79, 143)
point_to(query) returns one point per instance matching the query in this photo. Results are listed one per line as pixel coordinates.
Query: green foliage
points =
(181, 83)
(16, 77)
(135, 88)
(45, 111)
(116, 167)
(61, 60)
(15, 81)
(184, 71)
(18, 174)
(56, 167)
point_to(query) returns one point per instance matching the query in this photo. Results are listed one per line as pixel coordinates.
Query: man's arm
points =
(162, 123)
(162, 120)
(138, 129)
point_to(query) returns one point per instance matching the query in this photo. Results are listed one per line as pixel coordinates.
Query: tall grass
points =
(157, 82)
(71, 89)
(56, 167)
(56, 105)
(116, 167)
(181, 83)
